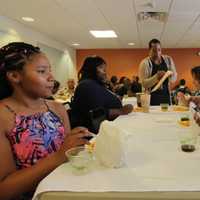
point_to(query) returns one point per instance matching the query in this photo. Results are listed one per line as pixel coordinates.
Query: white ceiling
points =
(69, 21)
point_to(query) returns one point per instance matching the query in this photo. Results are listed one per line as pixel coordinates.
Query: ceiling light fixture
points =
(28, 19)
(131, 43)
(104, 34)
(75, 44)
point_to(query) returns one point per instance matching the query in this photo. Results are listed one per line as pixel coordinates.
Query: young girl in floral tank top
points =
(34, 133)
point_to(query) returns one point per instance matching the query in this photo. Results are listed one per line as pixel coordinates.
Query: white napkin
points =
(166, 75)
(110, 145)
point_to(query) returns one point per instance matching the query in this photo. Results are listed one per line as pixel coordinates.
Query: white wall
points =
(61, 63)
(62, 57)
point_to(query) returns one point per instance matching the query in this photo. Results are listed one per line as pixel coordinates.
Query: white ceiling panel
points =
(124, 24)
(69, 21)
(149, 30)
(176, 27)
(191, 36)
(152, 5)
(85, 13)
(188, 44)
(182, 16)
(186, 6)
(172, 34)
(45, 22)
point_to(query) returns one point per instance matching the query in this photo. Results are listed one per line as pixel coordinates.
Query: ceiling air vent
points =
(146, 16)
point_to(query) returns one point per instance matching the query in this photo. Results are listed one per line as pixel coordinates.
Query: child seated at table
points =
(34, 132)
(196, 82)
(196, 100)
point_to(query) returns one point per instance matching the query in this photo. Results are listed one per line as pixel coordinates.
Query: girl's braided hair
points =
(13, 57)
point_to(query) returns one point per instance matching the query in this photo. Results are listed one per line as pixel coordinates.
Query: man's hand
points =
(160, 74)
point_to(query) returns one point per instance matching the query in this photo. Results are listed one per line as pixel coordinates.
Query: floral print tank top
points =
(35, 136)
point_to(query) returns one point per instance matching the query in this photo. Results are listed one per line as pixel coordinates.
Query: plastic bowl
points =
(79, 157)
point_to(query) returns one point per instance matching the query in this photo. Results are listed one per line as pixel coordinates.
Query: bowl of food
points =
(80, 157)
(177, 108)
(184, 120)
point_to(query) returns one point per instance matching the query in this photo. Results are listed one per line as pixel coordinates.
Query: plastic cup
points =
(164, 107)
(138, 97)
(145, 102)
(188, 139)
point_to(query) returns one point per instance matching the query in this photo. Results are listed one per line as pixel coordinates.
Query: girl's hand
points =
(73, 139)
(127, 109)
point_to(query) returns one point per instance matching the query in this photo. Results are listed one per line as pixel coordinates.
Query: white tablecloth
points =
(154, 161)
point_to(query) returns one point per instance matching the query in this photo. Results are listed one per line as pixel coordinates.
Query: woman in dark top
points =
(91, 95)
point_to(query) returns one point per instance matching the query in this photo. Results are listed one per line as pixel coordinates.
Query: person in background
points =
(55, 89)
(66, 93)
(152, 69)
(91, 94)
(196, 100)
(71, 87)
(196, 82)
(114, 83)
(181, 87)
(35, 133)
(124, 87)
(136, 87)
(196, 79)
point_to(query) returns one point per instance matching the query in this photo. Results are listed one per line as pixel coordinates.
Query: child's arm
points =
(15, 182)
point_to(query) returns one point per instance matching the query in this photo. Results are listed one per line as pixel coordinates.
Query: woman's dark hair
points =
(89, 67)
(114, 79)
(196, 72)
(13, 57)
(121, 80)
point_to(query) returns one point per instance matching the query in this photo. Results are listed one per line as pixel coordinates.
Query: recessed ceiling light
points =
(131, 43)
(104, 34)
(75, 44)
(28, 19)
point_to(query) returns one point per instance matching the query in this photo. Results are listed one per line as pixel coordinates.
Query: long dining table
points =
(155, 166)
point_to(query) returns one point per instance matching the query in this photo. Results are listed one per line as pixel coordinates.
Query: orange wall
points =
(125, 62)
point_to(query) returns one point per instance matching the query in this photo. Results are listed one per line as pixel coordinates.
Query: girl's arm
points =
(15, 182)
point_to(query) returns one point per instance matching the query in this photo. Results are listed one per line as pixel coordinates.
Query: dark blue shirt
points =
(90, 95)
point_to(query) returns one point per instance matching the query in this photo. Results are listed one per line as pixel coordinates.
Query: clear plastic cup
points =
(164, 107)
(188, 139)
(138, 97)
(145, 102)
(80, 158)
(188, 134)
